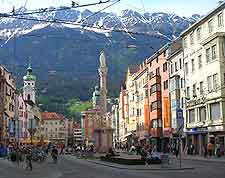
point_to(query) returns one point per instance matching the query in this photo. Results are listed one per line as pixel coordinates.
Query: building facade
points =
(159, 103)
(77, 131)
(33, 113)
(203, 48)
(115, 121)
(55, 127)
(7, 106)
(141, 100)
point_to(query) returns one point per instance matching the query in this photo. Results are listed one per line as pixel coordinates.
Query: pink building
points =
(159, 104)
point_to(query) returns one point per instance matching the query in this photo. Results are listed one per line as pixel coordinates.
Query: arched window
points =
(28, 97)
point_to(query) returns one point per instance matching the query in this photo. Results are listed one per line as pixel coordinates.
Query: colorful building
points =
(159, 103)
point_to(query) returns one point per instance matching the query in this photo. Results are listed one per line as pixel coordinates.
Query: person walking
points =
(210, 148)
(217, 150)
(205, 151)
(29, 159)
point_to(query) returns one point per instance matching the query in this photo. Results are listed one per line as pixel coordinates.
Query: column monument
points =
(103, 132)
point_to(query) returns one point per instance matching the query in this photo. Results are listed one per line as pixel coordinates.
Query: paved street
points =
(70, 167)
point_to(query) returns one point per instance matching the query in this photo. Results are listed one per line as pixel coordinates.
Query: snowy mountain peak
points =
(169, 25)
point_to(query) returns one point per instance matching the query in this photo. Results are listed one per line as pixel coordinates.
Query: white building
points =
(33, 113)
(177, 89)
(115, 121)
(204, 64)
(55, 127)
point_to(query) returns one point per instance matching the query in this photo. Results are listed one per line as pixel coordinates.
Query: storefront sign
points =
(196, 102)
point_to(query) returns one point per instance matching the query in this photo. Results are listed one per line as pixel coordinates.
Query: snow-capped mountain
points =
(169, 25)
(65, 56)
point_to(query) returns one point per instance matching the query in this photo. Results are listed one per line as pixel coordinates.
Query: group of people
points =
(28, 153)
(213, 150)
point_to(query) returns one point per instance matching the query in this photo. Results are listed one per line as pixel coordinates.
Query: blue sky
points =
(180, 7)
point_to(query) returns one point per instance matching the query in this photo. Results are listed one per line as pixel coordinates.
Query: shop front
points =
(217, 137)
(196, 139)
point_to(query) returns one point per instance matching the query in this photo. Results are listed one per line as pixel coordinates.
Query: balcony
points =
(155, 96)
(155, 79)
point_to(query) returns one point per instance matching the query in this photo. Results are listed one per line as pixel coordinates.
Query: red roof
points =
(52, 116)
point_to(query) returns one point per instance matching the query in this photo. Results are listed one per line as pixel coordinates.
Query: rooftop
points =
(52, 116)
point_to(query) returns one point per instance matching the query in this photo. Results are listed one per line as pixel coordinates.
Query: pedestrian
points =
(210, 148)
(192, 148)
(217, 150)
(177, 150)
(205, 151)
(29, 159)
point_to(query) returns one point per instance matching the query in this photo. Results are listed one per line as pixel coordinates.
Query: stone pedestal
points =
(103, 139)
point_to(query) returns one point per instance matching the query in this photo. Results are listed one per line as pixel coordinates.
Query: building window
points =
(224, 78)
(158, 71)
(180, 62)
(151, 75)
(181, 82)
(210, 26)
(192, 38)
(176, 67)
(194, 90)
(164, 67)
(220, 20)
(188, 92)
(200, 61)
(193, 65)
(208, 56)
(215, 111)
(165, 85)
(182, 102)
(154, 88)
(28, 97)
(146, 93)
(213, 52)
(154, 123)
(209, 83)
(185, 42)
(201, 88)
(202, 114)
(156, 105)
(191, 116)
(171, 69)
(199, 31)
(215, 81)
(186, 68)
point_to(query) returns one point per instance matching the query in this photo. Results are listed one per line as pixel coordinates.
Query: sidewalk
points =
(186, 157)
(201, 158)
(174, 165)
(152, 167)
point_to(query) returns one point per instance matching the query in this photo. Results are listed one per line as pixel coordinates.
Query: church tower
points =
(103, 70)
(29, 88)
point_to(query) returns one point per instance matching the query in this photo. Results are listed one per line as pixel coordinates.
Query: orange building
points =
(159, 104)
(88, 120)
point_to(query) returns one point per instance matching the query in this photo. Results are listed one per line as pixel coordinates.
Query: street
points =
(70, 167)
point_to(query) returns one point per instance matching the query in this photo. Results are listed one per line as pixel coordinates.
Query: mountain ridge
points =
(65, 57)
